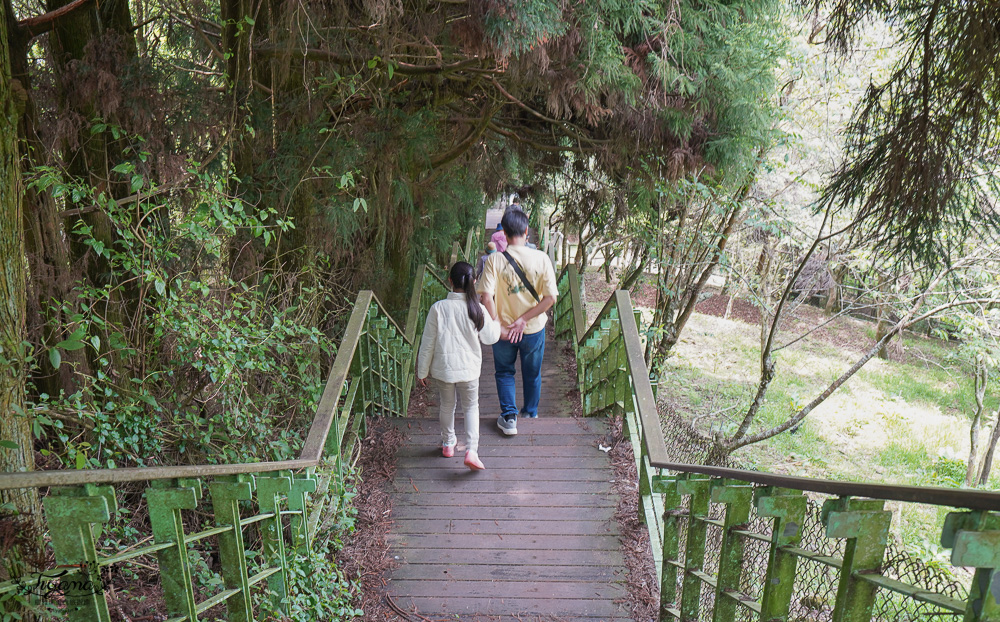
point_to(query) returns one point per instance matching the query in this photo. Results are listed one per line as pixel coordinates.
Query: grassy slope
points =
(900, 422)
(903, 421)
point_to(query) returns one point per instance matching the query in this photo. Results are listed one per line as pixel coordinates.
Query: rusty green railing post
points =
(694, 551)
(226, 497)
(788, 509)
(737, 501)
(165, 500)
(974, 538)
(865, 526)
(673, 510)
(298, 496)
(270, 488)
(70, 514)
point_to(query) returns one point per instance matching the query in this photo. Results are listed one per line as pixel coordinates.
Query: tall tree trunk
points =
(990, 449)
(17, 451)
(51, 299)
(86, 43)
(246, 252)
(981, 377)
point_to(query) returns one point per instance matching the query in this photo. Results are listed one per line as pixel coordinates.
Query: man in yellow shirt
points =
(517, 287)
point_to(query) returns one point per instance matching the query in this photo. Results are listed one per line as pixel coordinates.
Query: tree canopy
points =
(207, 184)
(923, 147)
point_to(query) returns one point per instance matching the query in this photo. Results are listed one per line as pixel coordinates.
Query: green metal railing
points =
(264, 504)
(732, 544)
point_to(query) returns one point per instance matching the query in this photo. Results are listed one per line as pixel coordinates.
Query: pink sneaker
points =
(473, 462)
(447, 451)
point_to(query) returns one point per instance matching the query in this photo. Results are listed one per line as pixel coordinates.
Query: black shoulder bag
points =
(520, 275)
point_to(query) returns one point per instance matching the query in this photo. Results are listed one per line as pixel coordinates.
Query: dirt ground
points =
(742, 310)
(598, 290)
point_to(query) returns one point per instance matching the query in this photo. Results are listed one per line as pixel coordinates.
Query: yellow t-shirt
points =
(512, 298)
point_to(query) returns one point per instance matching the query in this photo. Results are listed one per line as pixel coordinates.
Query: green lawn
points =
(904, 421)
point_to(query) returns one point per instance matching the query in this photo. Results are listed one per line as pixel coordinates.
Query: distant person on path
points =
(491, 248)
(450, 354)
(518, 287)
(499, 239)
(515, 203)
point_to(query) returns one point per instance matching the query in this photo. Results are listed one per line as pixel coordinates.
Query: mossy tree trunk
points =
(89, 44)
(50, 295)
(17, 451)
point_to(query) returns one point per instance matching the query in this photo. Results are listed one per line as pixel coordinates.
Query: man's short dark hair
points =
(515, 223)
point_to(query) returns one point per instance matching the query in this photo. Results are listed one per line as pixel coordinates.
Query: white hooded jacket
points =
(449, 349)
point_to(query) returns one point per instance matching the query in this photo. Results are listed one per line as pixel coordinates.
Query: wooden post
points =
(694, 555)
(226, 496)
(673, 510)
(166, 500)
(974, 538)
(737, 501)
(866, 528)
(788, 508)
(70, 515)
(270, 489)
(297, 497)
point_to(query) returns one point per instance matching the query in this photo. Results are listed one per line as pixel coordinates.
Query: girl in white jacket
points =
(450, 353)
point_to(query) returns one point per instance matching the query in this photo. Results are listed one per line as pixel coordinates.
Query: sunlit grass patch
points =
(898, 422)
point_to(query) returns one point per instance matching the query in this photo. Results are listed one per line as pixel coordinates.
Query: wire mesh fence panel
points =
(755, 556)
(713, 547)
(815, 590)
(904, 567)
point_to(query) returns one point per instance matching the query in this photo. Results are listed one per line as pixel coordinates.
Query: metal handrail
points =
(929, 495)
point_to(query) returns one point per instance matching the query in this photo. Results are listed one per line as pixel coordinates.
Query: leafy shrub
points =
(182, 363)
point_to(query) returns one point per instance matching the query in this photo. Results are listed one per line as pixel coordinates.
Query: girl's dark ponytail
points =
(462, 278)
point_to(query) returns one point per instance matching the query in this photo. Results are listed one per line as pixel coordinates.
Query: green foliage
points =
(945, 471)
(516, 27)
(181, 360)
(318, 590)
(722, 60)
(922, 145)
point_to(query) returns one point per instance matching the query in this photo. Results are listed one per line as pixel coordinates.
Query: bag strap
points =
(520, 275)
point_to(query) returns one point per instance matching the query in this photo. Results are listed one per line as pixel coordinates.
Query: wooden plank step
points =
(500, 572)
(528, 590)
(534, 500)
(503, 471)
(523, 437)
(522, 527)
(499, 541)
(469, 483)
(517, 557)
(541, 465)
(494, 447)
(540, 426)
(497, 512)
(602, 609)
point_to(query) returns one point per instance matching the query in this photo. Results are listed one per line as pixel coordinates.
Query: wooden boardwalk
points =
(531, 538)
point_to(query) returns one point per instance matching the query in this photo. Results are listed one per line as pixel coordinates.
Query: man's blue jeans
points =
(531, 348)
